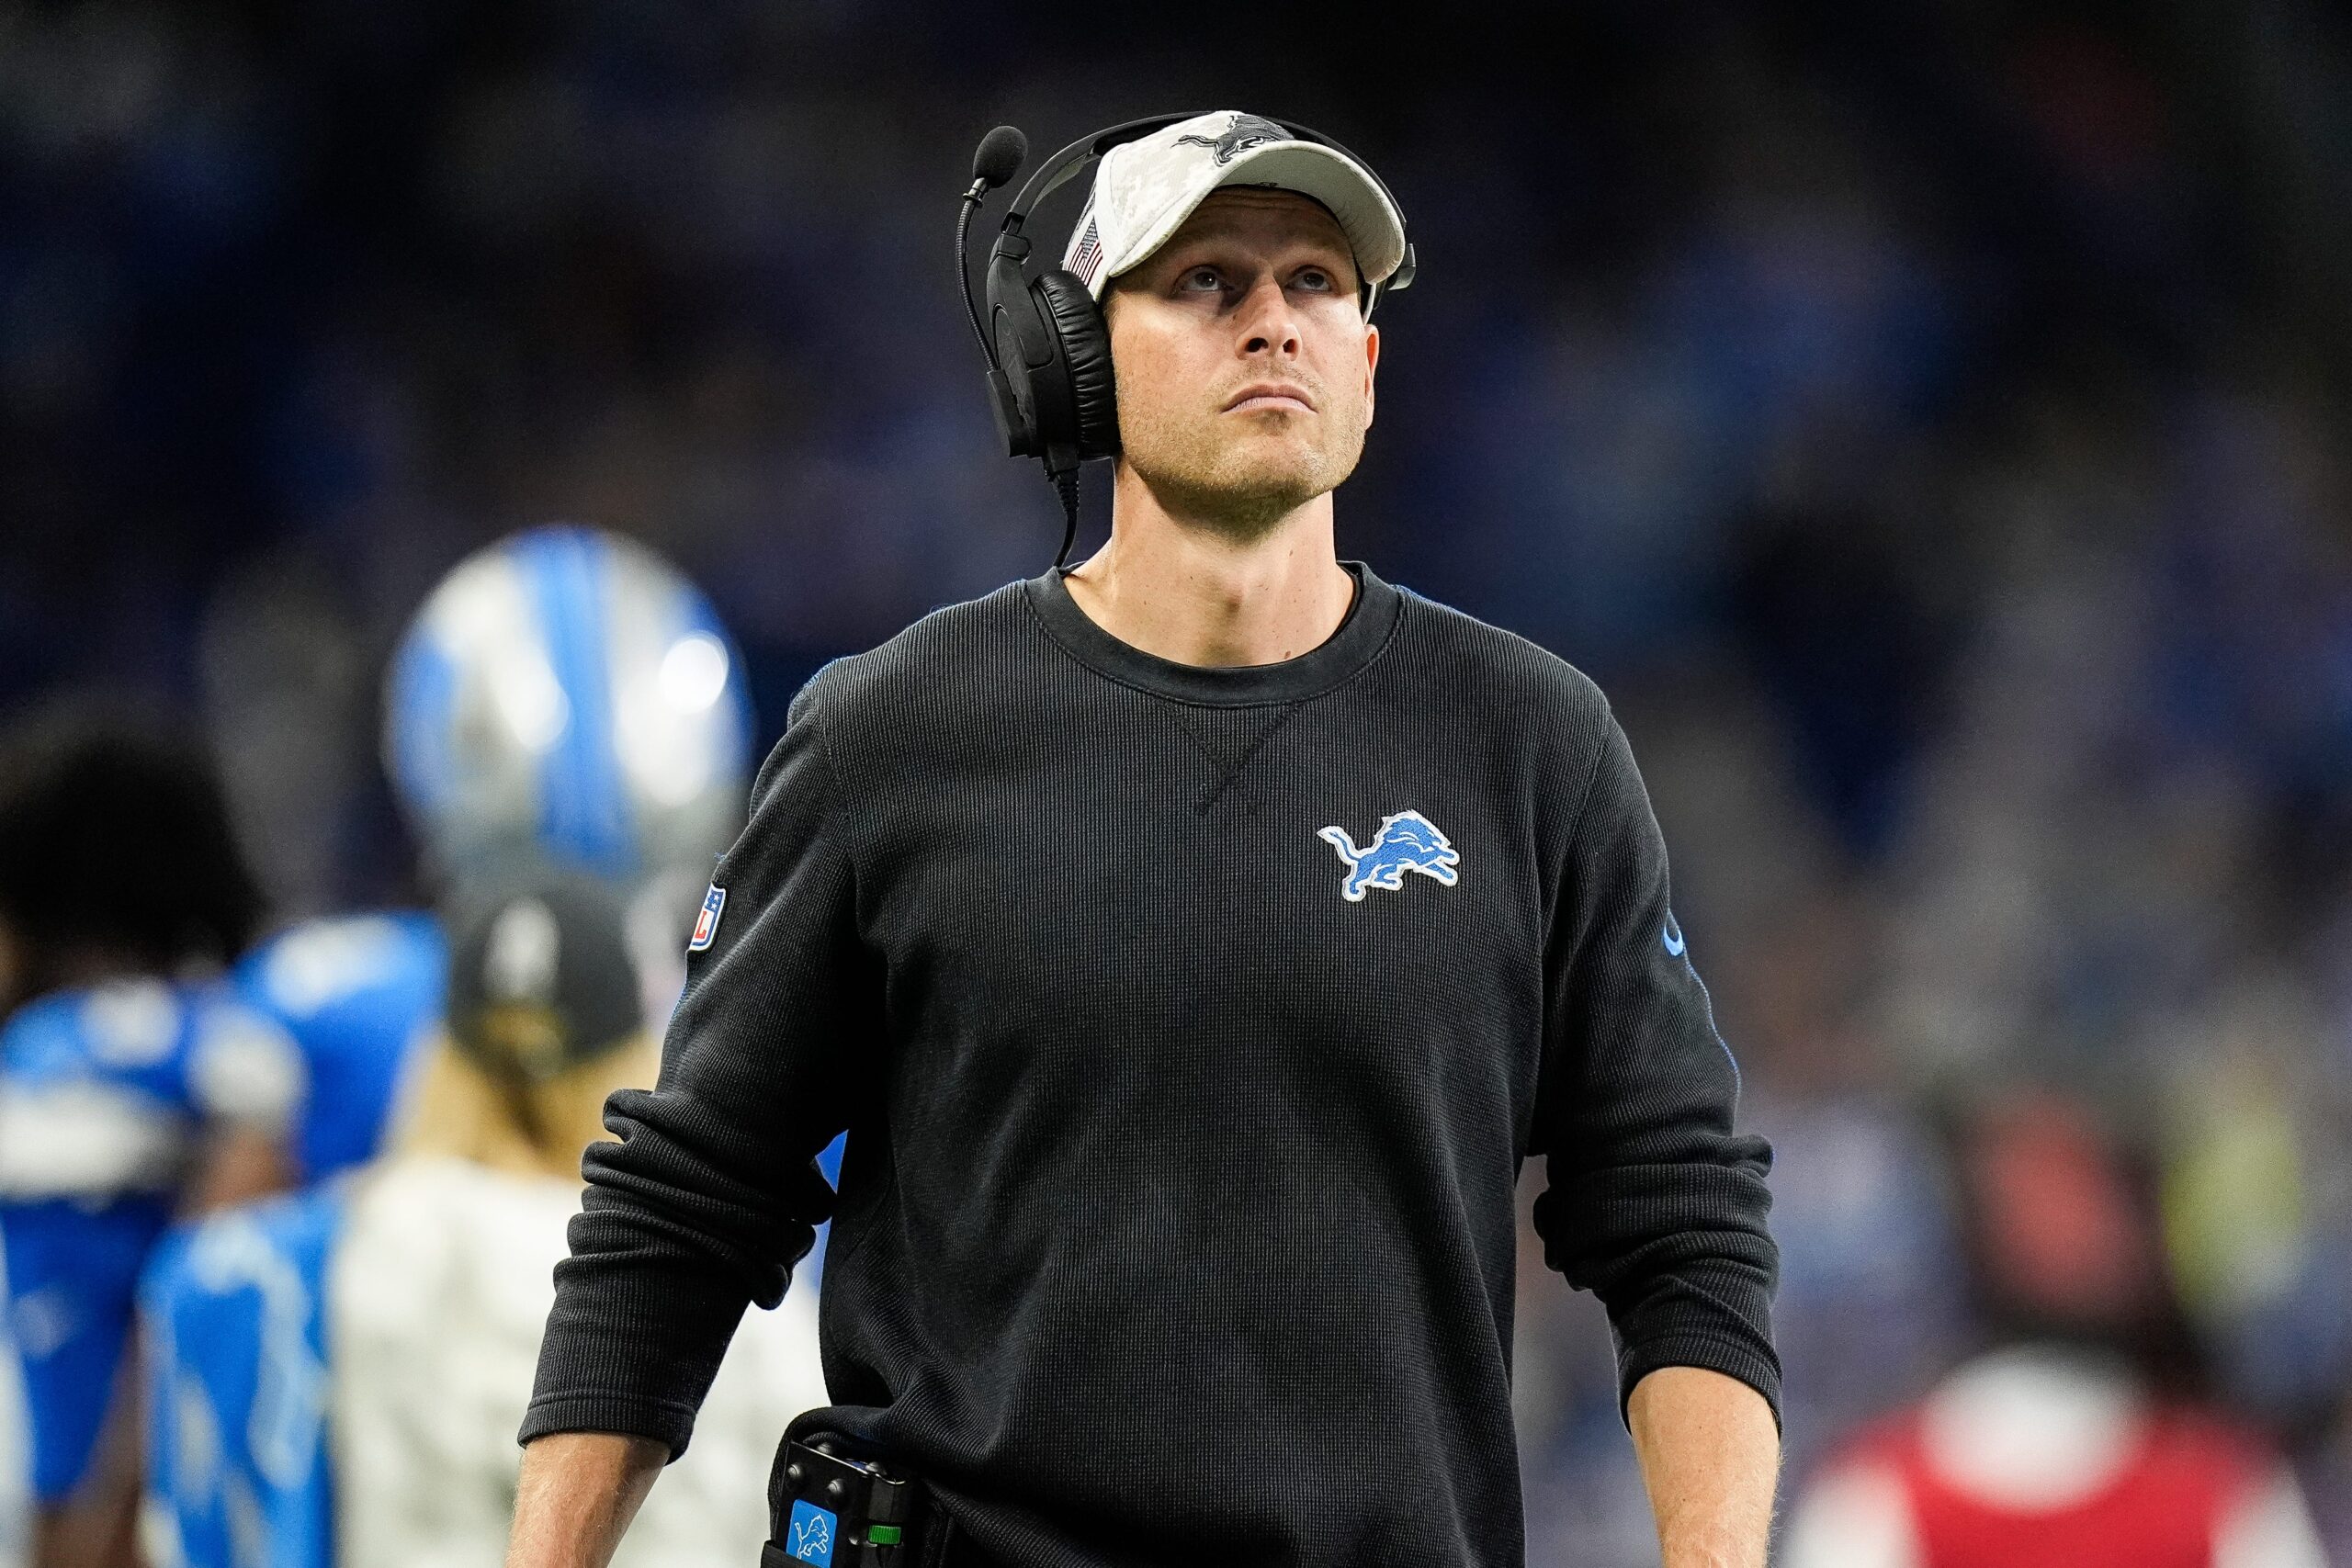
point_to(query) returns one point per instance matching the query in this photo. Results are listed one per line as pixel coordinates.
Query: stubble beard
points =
(1241, 488)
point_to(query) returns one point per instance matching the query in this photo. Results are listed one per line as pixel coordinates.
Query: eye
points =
(1200, 279)
(1316, 278)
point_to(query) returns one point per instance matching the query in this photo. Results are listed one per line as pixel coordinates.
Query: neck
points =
(1187, 591)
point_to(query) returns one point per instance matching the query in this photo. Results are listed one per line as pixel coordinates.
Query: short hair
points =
(115, 835)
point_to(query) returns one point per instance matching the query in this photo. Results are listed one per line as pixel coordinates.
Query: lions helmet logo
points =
(1407, 841)
(1245, 131)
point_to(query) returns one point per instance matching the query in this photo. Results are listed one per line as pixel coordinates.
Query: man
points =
(1193, 947)
(133, 1085)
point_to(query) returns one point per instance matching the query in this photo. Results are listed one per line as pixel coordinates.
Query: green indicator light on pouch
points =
(882, 1535)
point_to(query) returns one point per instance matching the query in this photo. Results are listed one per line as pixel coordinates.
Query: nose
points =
(1268, 324)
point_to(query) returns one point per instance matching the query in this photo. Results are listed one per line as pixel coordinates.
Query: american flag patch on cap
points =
(1088, 253)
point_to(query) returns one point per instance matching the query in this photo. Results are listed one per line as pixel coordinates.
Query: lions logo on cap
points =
(1245, 131)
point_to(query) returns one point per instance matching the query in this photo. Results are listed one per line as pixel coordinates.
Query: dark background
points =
(1927, 422)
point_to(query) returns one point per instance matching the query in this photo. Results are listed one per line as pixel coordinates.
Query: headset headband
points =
(1056, 171)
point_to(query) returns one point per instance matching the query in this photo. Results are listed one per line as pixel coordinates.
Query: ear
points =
(1371, 364)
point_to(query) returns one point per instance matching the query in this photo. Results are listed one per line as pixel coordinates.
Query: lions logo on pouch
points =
(1407, 841)
(812, 1534)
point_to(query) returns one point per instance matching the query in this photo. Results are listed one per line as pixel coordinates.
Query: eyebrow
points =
(1331, 248)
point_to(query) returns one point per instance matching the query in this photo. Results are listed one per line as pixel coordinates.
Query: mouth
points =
(1267, 397)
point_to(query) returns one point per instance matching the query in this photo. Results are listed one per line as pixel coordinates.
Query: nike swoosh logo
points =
(1672, 936)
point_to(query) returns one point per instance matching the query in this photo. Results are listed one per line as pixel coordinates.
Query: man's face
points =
(1256, 294)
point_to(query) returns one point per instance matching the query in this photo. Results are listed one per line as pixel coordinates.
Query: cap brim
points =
(1375, 229)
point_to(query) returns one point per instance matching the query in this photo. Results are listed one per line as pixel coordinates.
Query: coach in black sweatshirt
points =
(1194, 946)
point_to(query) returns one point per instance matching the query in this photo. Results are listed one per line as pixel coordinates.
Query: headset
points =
(1048, 350)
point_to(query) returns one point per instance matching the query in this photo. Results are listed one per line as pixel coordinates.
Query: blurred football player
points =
(562, 693)
(345, 1368)
(133, 1085)
(2076, 1440)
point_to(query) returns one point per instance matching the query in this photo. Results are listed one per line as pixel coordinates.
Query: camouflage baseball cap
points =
(1145, 189)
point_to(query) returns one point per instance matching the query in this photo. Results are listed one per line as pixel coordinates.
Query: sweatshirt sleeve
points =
(1654, 1203)
(713, 1194)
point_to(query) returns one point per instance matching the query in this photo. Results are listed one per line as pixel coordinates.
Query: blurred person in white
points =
(133, 1087)
(2079, 1437)
(346, 1368)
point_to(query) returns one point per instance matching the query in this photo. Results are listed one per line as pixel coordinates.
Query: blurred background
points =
(1927, 423)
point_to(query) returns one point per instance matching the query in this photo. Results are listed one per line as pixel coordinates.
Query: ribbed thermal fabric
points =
(1189, 1026)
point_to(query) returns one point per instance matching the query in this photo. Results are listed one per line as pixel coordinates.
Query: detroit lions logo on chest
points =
(1407, 841)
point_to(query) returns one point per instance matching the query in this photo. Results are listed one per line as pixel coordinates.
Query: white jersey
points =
(439, 1293)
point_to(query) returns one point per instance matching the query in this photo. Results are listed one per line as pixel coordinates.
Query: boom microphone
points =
(997, 160)
(999, 157)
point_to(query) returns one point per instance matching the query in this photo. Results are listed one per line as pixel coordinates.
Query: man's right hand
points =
(579, 1492)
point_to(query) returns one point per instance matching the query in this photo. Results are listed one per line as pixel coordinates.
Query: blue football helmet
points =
(565, 690)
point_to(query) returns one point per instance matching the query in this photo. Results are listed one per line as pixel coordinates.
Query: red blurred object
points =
(2164, 1509)
(2063, 1235)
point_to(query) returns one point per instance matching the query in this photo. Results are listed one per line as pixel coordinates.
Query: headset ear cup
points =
(1015, 324)
(1086, 357)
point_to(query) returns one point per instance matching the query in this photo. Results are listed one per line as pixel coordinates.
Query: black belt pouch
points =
(834, 1502)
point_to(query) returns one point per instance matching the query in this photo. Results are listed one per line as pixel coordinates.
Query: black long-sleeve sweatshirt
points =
(1189, 1026)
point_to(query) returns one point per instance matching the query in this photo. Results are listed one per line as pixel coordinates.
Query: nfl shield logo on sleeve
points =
(707, 923)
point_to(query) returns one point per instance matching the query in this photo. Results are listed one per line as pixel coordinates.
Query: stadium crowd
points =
(1931, 434)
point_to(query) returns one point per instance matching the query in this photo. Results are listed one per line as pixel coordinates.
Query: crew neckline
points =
(1361, 634)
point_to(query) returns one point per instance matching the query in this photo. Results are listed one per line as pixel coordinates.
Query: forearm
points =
(1708, 1453)
(579, 1492)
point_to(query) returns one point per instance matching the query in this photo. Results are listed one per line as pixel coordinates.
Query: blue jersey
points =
(104, 1094)
(235, 1311)
(358, 993)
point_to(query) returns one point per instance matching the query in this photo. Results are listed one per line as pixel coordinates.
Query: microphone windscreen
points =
(1000, 156)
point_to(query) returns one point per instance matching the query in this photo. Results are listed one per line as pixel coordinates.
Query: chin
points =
(1262, 476)
(1276, 463)
(1265, 487)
